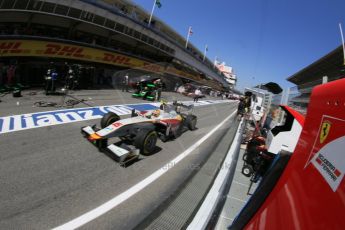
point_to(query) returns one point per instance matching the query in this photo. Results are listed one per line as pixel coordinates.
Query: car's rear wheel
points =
(108, 119)
(146, 140)
(191, 121)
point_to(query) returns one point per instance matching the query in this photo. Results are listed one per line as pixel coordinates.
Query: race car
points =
(304, 185)
(138, 134)
(145, 90)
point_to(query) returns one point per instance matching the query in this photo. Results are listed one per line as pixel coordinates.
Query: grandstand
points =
(101, 36)
(328, 68)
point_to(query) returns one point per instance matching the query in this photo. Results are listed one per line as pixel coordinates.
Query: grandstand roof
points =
(331, 65)
(163, 27)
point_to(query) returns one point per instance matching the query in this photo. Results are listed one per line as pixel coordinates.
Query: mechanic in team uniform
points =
(159, 86)
(241, 108)
(125, 83)
(197, 94)
(51, 78)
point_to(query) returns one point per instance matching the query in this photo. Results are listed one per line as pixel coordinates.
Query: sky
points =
(263, 40)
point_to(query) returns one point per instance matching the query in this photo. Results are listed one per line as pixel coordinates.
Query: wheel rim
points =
(150, 142)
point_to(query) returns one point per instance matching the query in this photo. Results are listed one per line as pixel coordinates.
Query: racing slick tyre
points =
(146, 141)
(109, 118)
(247, 170)
(191, 122)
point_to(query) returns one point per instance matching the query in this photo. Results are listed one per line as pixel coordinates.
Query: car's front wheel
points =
(146, 140)
(108, 119)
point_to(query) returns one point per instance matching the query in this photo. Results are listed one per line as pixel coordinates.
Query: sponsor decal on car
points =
(325, 128)
(109, 128)
(117, 124)
(327, 154)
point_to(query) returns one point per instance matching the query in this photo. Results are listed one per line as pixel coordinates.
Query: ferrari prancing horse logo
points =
(326, 126)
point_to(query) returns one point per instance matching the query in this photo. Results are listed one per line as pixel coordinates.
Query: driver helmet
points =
(156, 113)
(163, 105)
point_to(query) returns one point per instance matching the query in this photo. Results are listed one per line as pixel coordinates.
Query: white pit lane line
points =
(109, 205)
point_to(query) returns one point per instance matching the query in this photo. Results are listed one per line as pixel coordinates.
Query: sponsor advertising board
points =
(42, 119)
(33, 48)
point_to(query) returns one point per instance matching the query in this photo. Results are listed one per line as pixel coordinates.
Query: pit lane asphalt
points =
(51, 175)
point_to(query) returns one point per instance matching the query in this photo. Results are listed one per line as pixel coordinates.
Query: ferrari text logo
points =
(326, 126)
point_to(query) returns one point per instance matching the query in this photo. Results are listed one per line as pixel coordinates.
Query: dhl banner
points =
(61, 50)
(33, 48)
